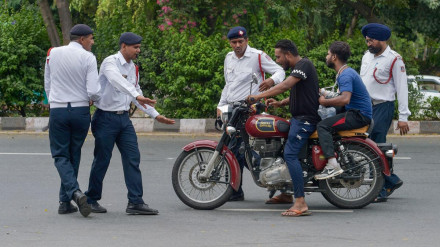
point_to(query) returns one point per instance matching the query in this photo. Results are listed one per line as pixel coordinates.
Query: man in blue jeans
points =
(354, 98)
(303, 105)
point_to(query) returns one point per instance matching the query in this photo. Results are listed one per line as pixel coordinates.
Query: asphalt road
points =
(29, 186)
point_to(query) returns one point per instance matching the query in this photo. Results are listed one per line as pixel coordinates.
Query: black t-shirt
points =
(304, 95)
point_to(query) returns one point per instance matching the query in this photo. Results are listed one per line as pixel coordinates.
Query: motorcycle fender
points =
(230, 157)
(373, 145)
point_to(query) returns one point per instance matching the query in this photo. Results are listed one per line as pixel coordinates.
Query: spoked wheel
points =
(361, 181)
(196, 192)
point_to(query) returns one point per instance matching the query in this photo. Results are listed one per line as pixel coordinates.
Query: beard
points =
(374, 49)
(330, 64)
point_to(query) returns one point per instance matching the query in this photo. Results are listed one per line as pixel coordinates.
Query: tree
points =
(51, 28)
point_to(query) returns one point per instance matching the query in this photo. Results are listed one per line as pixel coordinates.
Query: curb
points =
(185, 126)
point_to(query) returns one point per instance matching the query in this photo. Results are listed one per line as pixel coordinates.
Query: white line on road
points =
(26, 153)
(402, 158)
(279, 210)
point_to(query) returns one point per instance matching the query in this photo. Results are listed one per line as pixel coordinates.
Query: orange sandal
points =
(295, 213)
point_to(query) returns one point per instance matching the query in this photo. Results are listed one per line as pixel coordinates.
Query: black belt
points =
(115, 112)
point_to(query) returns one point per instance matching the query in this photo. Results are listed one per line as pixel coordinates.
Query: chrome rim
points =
(350, 190)
(196, 189)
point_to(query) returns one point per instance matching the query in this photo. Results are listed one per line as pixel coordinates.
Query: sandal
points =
(295, 213)
(280, 199)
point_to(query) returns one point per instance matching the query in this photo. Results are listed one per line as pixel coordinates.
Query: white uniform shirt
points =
(238, 74)
(71, 76)
(117, 92)
(398, 83)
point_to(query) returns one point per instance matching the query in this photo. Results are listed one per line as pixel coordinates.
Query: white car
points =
(428, 85)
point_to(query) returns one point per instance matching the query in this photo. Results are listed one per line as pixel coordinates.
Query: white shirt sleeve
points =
(269, 66)
(47, 79)
(223, 98)
(151, 111)
(401, 84)
(111, 72)
(92, 83)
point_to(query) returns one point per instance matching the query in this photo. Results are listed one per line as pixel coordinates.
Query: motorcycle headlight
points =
(226, 111)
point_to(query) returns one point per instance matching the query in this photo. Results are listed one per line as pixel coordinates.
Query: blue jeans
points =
(110, 128)
(234, 146)
(68, 129)
(298, 134)
(383, 117)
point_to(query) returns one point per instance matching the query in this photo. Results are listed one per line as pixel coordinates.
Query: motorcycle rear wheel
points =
(194, 192)
(349, 194)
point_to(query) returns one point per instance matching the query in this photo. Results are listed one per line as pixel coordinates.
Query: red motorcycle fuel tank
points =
(267, 126)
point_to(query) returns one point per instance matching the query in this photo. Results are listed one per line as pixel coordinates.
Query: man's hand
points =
(165, 120)
(272, 102)
(145, 101)
(321, 100)
(219, 113)
(90, 103)
(266, 84)
(403, 126)
(252, 99)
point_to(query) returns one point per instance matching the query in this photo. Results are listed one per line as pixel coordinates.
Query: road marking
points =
(170, 158)
(26, 153)
(402, 158)
(281, 210)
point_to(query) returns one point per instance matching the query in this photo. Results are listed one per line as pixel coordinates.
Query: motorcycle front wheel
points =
(198, 193)
(356, 193)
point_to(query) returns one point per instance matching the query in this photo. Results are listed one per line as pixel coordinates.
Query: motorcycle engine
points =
(274, 172)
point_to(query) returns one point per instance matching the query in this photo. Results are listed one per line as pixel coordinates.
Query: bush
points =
(23, 45)
(433, 112)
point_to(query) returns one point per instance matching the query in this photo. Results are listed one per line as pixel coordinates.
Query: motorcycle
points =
(206, 172)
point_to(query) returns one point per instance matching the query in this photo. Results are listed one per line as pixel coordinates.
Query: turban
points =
(376, 31)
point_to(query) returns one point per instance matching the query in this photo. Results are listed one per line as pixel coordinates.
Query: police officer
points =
(384, 75)
(111, 124)
(239, 66)
(71, 82)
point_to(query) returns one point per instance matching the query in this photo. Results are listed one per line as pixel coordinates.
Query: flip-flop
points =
(278, 200)
(296, 213)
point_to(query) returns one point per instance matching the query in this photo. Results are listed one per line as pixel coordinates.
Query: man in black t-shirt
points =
(303, 103)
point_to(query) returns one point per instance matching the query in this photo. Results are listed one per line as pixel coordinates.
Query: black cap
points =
(81, 30)
(130, 38)
(237, 32)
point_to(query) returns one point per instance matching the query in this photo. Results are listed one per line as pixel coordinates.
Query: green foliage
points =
(433, 112)
(23, 45)
(185, 73)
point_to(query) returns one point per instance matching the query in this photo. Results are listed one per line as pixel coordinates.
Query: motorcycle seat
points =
(346, 133)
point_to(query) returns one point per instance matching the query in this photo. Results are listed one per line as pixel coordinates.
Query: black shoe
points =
(96, 208)
(395, 187)
(67, 208)
(380, 199)
(235, 197)
(140, 209)
(81, 200)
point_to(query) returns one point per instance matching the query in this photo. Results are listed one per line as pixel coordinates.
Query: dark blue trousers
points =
(109, 128)
(383, 117)
(298, 134)
(68, 129)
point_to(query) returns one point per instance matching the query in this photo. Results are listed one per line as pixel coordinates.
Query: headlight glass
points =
(226, 111)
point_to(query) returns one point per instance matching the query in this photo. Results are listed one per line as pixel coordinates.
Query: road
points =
(29, 186)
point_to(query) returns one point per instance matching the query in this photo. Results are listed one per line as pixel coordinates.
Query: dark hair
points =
(74, 37)
(341, 50)
(287, 46)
